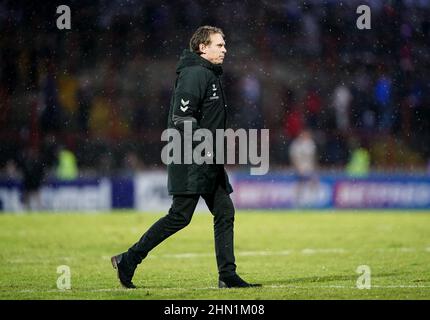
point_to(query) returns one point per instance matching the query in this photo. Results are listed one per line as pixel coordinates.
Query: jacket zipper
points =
(224, 101)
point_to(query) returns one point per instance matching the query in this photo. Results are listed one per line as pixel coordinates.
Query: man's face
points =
(215, 50)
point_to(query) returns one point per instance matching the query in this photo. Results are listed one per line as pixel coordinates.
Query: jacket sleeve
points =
(188, 97)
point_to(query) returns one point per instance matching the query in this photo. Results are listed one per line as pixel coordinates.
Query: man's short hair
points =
(202, 35)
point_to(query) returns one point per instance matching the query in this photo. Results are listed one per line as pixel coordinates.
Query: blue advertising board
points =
(148, 192)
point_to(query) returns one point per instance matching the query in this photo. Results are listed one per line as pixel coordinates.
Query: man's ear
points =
(202, 48)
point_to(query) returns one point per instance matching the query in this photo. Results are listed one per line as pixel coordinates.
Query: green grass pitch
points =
(294, 254)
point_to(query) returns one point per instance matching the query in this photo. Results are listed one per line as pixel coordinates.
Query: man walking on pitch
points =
(198, 99)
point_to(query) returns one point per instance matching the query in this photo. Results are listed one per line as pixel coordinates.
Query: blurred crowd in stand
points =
(101, 90)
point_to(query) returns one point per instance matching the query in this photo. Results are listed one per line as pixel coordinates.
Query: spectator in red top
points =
(293, 119)
(312, 107)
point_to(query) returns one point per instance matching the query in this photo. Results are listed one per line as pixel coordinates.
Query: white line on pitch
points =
(190, 255)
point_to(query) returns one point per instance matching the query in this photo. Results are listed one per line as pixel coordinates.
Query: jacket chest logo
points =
(184, 106)
(214, 95)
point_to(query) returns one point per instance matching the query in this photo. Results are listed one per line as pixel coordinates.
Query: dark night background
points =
(102, 88)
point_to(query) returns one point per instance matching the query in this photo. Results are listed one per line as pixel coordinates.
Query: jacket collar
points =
(189, 58)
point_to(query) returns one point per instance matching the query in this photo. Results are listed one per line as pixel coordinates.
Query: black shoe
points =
(123, 270)
(235, 282)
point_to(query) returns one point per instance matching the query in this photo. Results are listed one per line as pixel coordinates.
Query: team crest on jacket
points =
(214, 92)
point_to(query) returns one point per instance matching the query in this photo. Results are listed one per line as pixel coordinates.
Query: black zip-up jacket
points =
(198, 97)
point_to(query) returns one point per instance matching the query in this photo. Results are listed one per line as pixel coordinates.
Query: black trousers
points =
(179, 216)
